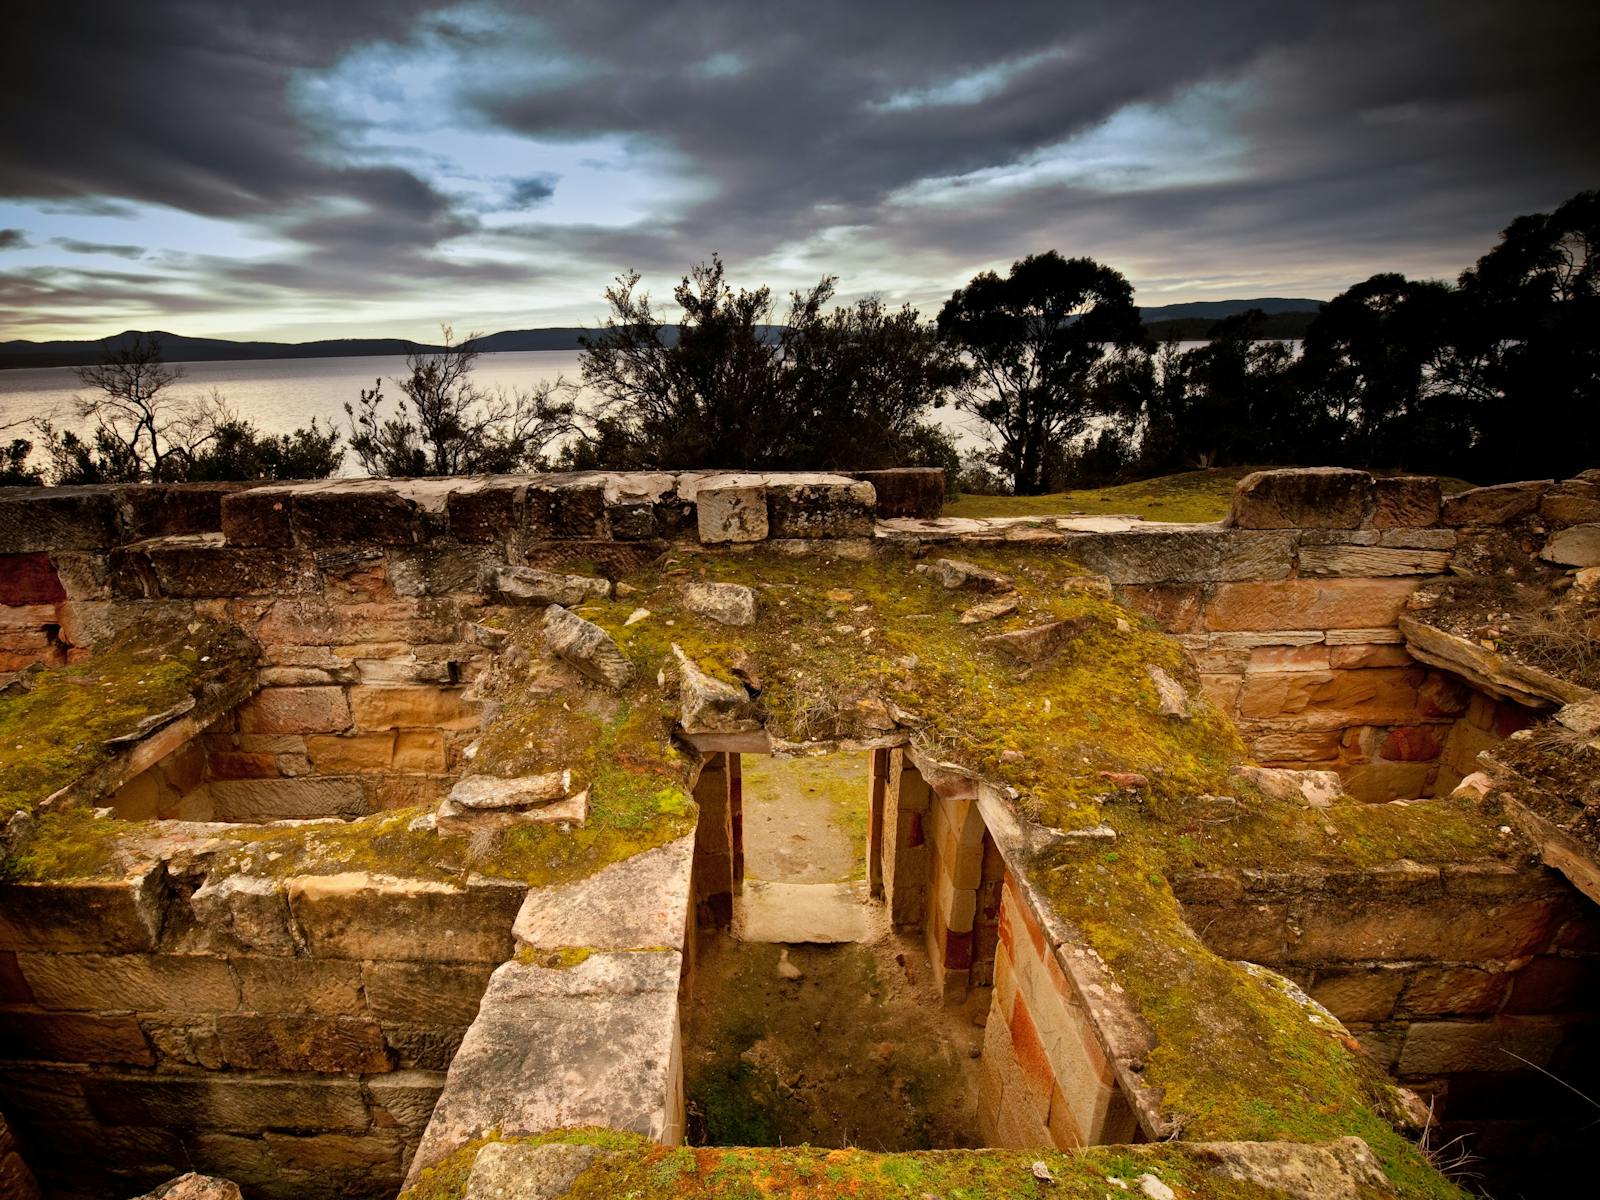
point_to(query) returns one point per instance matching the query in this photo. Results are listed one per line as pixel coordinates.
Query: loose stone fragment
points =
(486, 800)
(725, 603)
(988, 610)
(637, 615)
(527, 585)
(1578, 546)
(194, 1186)
(1087, 585)
(503, 1170)
(1038, 643)
(587, 647)
(1172, 700)
(709, 705)
(957, 575)
(1318, 789)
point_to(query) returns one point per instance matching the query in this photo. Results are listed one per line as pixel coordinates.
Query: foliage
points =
(14, 470)
(1040, 348)
(448, 425)
(846, 388)
(143, 432)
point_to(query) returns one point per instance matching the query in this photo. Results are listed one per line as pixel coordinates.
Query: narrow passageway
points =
(812, 1020)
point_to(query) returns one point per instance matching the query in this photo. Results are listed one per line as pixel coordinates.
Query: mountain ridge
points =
(180, 348)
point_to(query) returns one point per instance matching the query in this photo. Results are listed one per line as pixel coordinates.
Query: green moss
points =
(71, 844)
(640, 1170)
(1189, 496)
(56, 732)
(561, 958)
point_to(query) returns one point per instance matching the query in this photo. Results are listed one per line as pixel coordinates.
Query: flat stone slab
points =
(511, 1172)
(825, 913)
(639, 903)
(595, 1043)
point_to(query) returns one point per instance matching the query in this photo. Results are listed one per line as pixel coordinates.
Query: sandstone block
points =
(74, 1038)
(586, 647)
(136, 982)
(1405, 502)
(527, 585)
(29, 579)
(47, 519)
(707, 704)
(1382, 696)
(1378, 783)
(819, 506)
(1576, 546)
(1575, 502)
(725, 603)
(423, 1047)
(357, 512)
(593, 1044)
(1459, 991)
(258, 517)
(241, 1103)
(564, 507)
(251, 911)
(1174, 607)
(1302, 498)
(1038, 643)
(485, 509)
(1309, 604)
(1494, 505)
(362, 916)
(295, 710)
(350, 753)
(1158, 556)
(1369, 561)
(299, 985)
(956, 574)
(732, 508)
(1357, 657)
(193, 1186)
(419, 750)
(405, 1099)
(1448, 1047)
(638, 903)
(421, 993)
(301, 799)
(1359, 995)
(83, 916)
(379, 707)
(204, 568)
(302, 1043)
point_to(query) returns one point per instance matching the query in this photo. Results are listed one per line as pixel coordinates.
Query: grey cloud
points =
(12, 239)
(534, 190)
(80, 247)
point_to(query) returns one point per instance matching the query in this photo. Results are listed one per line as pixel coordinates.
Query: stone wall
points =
(16, 1181)
(290, 1035)
(1441, 973)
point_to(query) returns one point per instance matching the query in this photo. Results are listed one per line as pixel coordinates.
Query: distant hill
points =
(1189, 321)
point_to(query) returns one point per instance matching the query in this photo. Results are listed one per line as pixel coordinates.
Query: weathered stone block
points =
(34, 520)
(419, 750)
(29, 579)
(1308, 604)
(202, 567)
(136, 982)
(299, 985)
(1174, 607)
(420, 993)
(405, 1099)
(558, 507)
(258, 517)
(350, 753)
(362, 916)
(74, 1038)
(1575, 502)
(1368, 561)
(1448, 1047)
(423, 1047)
(375, 707)
(638, 903)
(286, 799)
(732, 508)
(1155, 556)
(1360, 657)
(593, 1044)
(1494, 505)
(819, 506)
(1375, 697)
(527, 585)
(1378, 783)
(158, 510)
(485, 509)
(632, 520)
(239, 1103)
(1461, 991)
(1302, 498)
(350, 511)
(251, 911)
(295, 710)
(83, 916)
(1405, 502)
(302, 1043)
(1576, 546)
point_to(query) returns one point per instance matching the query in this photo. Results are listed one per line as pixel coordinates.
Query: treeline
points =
(1496, 376)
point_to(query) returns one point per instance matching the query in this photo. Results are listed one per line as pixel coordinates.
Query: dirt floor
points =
(855, 1052)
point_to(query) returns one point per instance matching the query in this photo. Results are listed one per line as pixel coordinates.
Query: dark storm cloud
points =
(12, 239)
(1368, 131)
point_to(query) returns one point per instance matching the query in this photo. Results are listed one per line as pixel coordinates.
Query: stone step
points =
(827, 913)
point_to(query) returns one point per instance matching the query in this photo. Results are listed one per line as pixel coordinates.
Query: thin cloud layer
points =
(302, 169)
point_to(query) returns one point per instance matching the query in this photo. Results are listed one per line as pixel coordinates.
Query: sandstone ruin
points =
(358, 835)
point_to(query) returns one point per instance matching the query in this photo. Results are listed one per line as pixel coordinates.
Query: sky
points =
(301, 169)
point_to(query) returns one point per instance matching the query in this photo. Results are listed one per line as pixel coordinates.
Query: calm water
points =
(281, 395)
